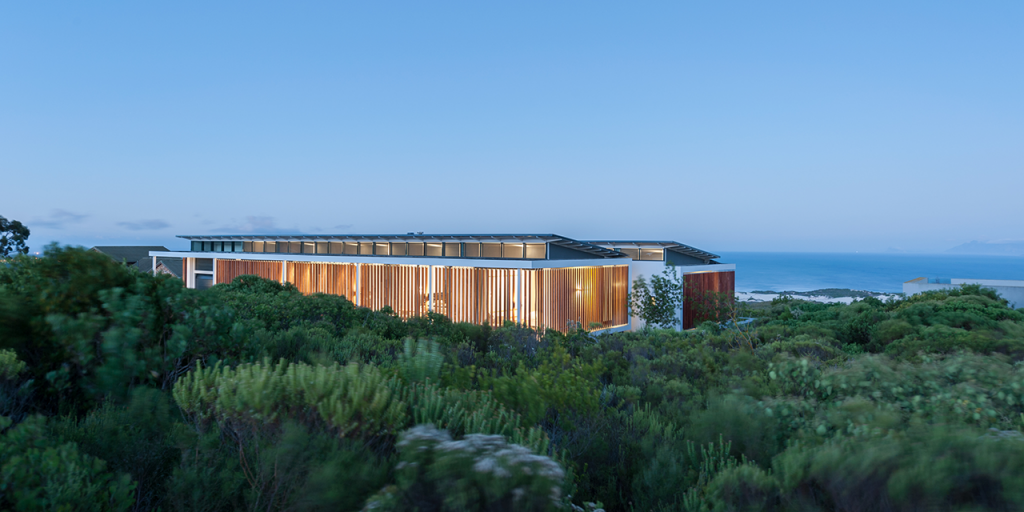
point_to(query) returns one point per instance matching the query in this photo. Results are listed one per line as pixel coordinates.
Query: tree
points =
(658, 302)
(13, 235)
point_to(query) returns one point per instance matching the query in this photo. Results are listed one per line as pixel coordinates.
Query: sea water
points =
(885, 273)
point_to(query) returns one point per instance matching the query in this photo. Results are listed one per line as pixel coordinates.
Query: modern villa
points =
(539, 281)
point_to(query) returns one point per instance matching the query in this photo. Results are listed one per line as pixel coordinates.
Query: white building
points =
(1012, 291)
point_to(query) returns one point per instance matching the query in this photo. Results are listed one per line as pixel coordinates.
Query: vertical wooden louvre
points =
(698, 288)
(475, 295)
(329, 278)
(403, 287)
(561, 298)
(228, 270)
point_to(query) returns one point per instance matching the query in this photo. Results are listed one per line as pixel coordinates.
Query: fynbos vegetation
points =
(124, 391)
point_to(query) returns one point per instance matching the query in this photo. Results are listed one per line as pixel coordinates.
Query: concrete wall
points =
(1012, 291)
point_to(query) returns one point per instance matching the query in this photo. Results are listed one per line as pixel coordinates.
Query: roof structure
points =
(171, 265)
(558, 240)
(654, 244)
(129, 254)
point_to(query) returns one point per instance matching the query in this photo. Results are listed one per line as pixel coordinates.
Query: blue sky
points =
(731, 126)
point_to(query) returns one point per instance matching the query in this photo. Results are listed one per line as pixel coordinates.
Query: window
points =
(257, 247)
(282, 247)
(652, 254)
(337, 247)
(295, 247)
(321, 248)
(512, 250)
(218, 246)
(204, 264)
(415, 249)
(239, 246)
(308, 247)
(490, 250)
(380, 249)
(536, 251)
(351, 247)
(270, 247)
(366, 248)
(398, 249)
(453, 250)
(197, 246)
(204, 281)
(472, 250)
(247, 246)
(632, 253)
(434, 249)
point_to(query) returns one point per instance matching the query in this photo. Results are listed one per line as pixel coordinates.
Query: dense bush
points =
(121, 390)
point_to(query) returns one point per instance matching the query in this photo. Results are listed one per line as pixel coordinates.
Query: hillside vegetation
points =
(124, 391)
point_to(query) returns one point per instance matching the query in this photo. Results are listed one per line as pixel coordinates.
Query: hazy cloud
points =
(257, 225)
(58, 219)
(144, 225)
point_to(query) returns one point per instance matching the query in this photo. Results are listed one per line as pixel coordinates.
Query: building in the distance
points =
(1012, 291)
(540, 281)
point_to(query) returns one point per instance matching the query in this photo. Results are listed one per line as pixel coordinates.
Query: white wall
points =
(653, 268)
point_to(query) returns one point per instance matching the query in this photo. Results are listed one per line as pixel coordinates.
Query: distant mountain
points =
(996, 248)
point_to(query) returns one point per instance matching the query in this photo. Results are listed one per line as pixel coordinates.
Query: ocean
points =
(886, 273)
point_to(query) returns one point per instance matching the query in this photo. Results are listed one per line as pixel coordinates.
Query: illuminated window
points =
(337, 248)
(632, 253)
(246, 246)
(351, 248)
(652, 254)
(270, 247)
(434, 249)
(366, 248)
(472, 250)
(512, 250)
(322, 248)
(415, 248)
(257, 247)
(380, 248)
(490, 250)
(536, 251)
(308, 248)
(398, 249)
(295, 247)
(453, 250)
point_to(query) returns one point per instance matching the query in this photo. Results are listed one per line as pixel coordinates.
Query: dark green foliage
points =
(253, 396)
(13, 235)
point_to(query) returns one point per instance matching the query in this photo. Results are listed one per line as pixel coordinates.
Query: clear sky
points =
(730, 126)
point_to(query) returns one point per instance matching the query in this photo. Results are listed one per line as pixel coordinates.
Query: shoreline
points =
(826, 295)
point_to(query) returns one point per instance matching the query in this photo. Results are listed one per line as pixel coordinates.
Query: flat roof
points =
(654, 244)
(558, 240)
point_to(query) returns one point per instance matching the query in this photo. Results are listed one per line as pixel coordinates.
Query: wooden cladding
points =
(330, 278)
(703, 291)
(403, 287)
(476, 295)
(228, 270)
(557, 298)
(560, 298)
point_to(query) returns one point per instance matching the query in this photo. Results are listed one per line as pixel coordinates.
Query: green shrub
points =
(38, 472)
(475, 473)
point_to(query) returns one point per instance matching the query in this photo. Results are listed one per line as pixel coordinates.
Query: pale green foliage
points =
(40, 473)
(10, 366)
(353, 400)
(475, 473)
(421, 361)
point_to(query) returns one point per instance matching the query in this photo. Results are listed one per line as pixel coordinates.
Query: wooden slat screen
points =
(330, 278)
(560, 298)
(696, 289)
(228, 270)
(403, 287)
(475, 295)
